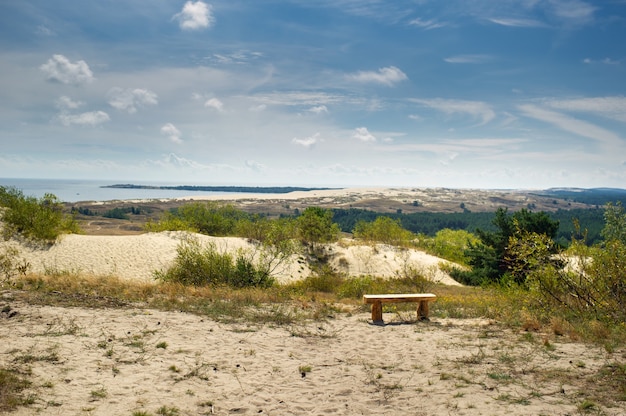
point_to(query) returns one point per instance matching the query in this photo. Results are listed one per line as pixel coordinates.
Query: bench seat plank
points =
(377, 303)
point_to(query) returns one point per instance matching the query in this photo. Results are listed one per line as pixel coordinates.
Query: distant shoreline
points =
(238, 189)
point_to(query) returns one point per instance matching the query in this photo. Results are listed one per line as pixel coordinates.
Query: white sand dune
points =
(137, 257)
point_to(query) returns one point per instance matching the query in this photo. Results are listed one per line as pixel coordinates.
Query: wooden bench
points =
(377, 301)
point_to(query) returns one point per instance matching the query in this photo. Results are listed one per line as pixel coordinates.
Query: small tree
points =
(316, 226)
(490, 259)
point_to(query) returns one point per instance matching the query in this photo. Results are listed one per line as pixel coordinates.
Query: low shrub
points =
(198, 265)
(36, 219)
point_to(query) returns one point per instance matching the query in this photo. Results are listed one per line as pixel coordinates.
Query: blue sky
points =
(423, 93)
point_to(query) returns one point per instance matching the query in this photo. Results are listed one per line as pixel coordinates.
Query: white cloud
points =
(172, 133)
(571, 124)
(195, 15)
(609, 107)
(60, 69)
(468, 59)
(427, 24)
(318, 109)
(389, 76)
(66, 103)
(307, 141)
(130, 99)
(573, 11)
(215, 104)
(91, 118)
(476, 109)
(361, 133)
(512, 22)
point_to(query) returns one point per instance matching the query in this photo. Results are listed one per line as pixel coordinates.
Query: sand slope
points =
(138, 256)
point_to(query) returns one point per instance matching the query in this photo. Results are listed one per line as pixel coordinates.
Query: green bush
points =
(449, 244)
(592, 285)
(210, 218)
(196, 265)
(383, 230)
(40, 219)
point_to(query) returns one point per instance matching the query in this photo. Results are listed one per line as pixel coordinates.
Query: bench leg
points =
(377, 312)
(422, 310)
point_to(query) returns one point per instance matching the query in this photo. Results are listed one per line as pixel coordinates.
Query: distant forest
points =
(244, 189)
(594, 196)
(591, 220)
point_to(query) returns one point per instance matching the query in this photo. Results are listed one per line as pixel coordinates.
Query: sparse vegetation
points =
(12, 387)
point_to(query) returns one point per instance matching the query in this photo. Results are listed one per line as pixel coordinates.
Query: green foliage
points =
(490, 259)
(429, 223)
(315, 225)
(40, 219)
(615, 223)
(449, 244)
(384, 230)
(196, 265)
(592, 285)
(210, 218)
(117, 213)
(527, 252)
(169, 223)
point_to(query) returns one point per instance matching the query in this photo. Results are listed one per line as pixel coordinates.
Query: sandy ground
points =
(121, 361)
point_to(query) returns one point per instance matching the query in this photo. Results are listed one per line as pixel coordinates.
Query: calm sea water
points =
(70, 190)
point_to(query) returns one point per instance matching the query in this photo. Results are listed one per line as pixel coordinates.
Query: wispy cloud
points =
(389, 76)
(516, 22)
(427, 24)
(307, 141)
(609, 107)
(475, 109)
(299, 98)
(60, 69)
(572, 11)
(571, 124)
(362, 134)
(605, 61)
(468, 59)
(172, 133)
(194, 16)
(239, 57)
(91, 118)
(130, 99)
